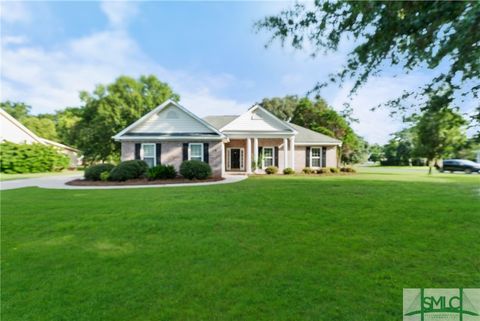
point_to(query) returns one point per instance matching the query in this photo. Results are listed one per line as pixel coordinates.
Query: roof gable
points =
(12, 130)
(308, 136)
(170, 118)
(257, 119)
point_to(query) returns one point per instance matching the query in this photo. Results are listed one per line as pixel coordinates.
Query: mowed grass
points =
(268, 248)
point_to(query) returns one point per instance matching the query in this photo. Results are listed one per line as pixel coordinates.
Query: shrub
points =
(348, 170)
(334, 170)
(162, 172)
(104, 176)
(308, 170)
(271, 170)
(195, 169)
(131, 169)
(323, 170)
(94, 172)
(288, 171)
(31, 158)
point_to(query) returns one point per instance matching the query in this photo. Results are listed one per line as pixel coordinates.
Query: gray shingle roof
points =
(306, 135)
(219, 121)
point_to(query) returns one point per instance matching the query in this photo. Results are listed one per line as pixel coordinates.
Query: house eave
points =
(318, 144)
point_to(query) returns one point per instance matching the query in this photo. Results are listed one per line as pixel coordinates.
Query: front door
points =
(235, 158)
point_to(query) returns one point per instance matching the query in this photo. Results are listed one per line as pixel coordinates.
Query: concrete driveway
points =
(58, 182)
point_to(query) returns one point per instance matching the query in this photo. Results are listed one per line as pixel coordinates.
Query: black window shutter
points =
(324, 157)
(205, 152)
(260, 157)
(276, 156)
(307, 157)
(185, 151)
(158, 150)
(138, 147)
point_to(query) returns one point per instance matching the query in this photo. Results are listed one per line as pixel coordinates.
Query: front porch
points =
(254, 154)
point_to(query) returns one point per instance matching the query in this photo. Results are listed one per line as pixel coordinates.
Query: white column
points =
(249, 155)
(292, 152)
(223, 159)
(255, 153)
(285, 153)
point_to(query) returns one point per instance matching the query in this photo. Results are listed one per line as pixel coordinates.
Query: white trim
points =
(319, 158)
(161, 107)
(255, 153)
(249, 155)
(318, 144)
(171, 138)
(21, 127)
(189, 150)
(241, 160)
(142, 154)
(263, 156)
(292, 152)
(285, 153)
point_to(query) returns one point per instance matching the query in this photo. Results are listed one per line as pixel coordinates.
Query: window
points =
(315, 156)
(267, 156)
(195, 151)
(149, 154)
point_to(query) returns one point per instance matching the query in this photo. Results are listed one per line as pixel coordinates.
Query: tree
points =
(439, 133)
(16, 109)
(67, 125)
(110, 108)
(439, 35)
(43, 127)
(375, 153)
(318, 116)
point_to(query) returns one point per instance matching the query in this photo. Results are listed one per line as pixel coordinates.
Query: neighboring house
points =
(247, 143)
(12, 130)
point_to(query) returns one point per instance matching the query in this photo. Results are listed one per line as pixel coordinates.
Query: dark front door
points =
(235, 158)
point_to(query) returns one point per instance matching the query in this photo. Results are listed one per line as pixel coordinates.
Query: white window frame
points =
(229, 158)
(154, 152)
(319, 157)
(190, 150)
(263, 155)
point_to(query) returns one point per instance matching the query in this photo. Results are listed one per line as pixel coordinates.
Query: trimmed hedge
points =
(131, 169)
(288, 171)
(94, 172)
(308, 170)
(348, 170)
(195, 169)
(271, 170)
(162, 172)
(31, 158)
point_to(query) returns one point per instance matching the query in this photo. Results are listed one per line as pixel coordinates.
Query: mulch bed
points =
(142, 181)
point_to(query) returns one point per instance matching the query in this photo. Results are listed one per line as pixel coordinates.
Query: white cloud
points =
(119, 13)
(14, 12)
(51, 79)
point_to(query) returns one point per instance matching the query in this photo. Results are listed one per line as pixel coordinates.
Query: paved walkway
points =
(58, 182)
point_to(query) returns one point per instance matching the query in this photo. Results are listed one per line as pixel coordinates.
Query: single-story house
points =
(13, 131)
(247, 143)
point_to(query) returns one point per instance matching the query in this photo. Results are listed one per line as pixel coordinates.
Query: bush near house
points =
(348, 170)
(162, 172)
(308, 170)
(131, 169)
(324, 170)
(94, 172)
(333, 170)
(105, 176)
(271, 170)
(31, 158)
(288, 171)
(194, 169)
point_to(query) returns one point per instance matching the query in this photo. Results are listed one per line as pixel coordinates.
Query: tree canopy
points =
(317, 115)
(439, 35)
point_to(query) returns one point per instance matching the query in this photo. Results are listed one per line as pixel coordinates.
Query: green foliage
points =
(438, 35)
(288, 171)
(375, 153)
(400, 149)
(66, 122)
(323, 170)
(43, 127)
(16, 109)
(104, 176)
(162, 172)
(318, 116)
(333, 170)
(131, 169)
(195, 169)
(348, 170)
(271, 170)
(94, 172)
(31, 158)
(110, 108)
(308, 170)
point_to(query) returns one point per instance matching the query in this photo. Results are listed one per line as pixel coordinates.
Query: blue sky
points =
(207, 51)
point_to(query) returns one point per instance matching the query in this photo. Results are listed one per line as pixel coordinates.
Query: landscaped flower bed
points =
(142, 181)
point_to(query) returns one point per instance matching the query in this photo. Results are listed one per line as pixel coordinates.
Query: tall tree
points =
(16, 109)
(317, 115)
(66, 121)
(439, 133)
(110, 108)
(439, 35)
(42, 126)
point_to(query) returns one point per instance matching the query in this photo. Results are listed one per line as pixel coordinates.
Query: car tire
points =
(468, 171)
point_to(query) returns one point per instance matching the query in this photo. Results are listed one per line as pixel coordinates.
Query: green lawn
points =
(268, 248)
